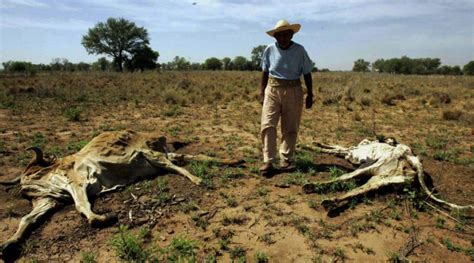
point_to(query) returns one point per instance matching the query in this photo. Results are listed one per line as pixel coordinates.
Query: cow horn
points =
(38, 154)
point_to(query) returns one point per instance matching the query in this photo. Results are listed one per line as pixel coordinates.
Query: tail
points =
(413, 160)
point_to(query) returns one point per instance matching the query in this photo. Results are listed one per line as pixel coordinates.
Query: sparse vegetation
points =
(216, 114)
(181, 249)
(130, 247)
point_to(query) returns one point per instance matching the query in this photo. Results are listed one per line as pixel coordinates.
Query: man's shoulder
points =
(271, 46)
(297, 45)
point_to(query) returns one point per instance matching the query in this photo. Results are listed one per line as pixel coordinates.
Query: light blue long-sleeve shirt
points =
(286, 63)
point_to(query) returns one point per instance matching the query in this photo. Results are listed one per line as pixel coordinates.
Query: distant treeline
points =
(406, 65)
(403, 65)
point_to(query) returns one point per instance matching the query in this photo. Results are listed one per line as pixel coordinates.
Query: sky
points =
(335, 33)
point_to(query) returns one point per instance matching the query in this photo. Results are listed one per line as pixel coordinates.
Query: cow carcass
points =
(109, 161)
(381, 164)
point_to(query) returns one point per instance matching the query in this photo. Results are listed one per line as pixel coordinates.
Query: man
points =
(281, 94)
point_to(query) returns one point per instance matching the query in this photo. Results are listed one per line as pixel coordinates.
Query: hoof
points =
(108, 220)
(9, 251)
(198, 182)
(111, 218)
(328, 204)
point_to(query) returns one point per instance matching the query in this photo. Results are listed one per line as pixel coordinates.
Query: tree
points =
(361, 65)
(179, 63)
(101, 64)
(143, 58)
(456, 70)
(226, 62)
(82, 66)
(378, 65)
(117, 38)
(468, 69)
(241, 63)
(17, 66)
(257, 54)
(213, 64)
(196, 66)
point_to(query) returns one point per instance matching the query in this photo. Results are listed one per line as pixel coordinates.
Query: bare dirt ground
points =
(238, 215)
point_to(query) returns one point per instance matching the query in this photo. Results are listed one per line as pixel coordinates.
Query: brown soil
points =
(276, 217)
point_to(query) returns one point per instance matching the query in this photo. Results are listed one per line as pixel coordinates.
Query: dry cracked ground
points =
(238, 215)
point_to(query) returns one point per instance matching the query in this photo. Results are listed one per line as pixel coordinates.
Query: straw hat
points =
(283, 25)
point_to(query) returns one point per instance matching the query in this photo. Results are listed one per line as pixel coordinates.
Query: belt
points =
(283, 82)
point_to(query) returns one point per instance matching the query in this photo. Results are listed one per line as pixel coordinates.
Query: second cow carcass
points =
(381, 164)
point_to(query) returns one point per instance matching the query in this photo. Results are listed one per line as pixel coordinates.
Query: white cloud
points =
(224, 15)
(25, 3)
(47, 23)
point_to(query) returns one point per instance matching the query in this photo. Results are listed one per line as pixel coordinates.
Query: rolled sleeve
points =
(266, 60)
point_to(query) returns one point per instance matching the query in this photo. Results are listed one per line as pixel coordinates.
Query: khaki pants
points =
(283, 99)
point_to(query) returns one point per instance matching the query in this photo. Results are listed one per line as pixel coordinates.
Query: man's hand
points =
(309, 101)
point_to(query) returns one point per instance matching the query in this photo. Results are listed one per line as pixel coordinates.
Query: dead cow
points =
(109, 161)
(382, 163)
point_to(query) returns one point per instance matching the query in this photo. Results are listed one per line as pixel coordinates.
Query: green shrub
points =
(180, 249)
(130, 247)
(260, 257)
(73, 113)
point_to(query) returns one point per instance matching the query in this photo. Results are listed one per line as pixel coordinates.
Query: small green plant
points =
(260, 257)
(181, 249)
(200, 221)
(305, 162)
(395, 214)
(38, 140)
(73, 147)
(297, 178)
(442, 155)
(436, 143)
(440, 222)
(313, 204)
(73, 113)
(224, 243)
(238, 253)
(262, 191)
(395, 257)
(290, 200)
(335, 172)
(186, 207)
(88, 257)
(130, 247)
(267, 238)
(200, 169)
(234, 220)
(230, 200)
(339, 254)
(450, 246)
(172, 111)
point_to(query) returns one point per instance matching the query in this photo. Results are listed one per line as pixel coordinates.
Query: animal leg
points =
(40, 207)
(374, 183)
(202, 158)
(159, 160)
(311, 187)
(329, 149)
(79, 194)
